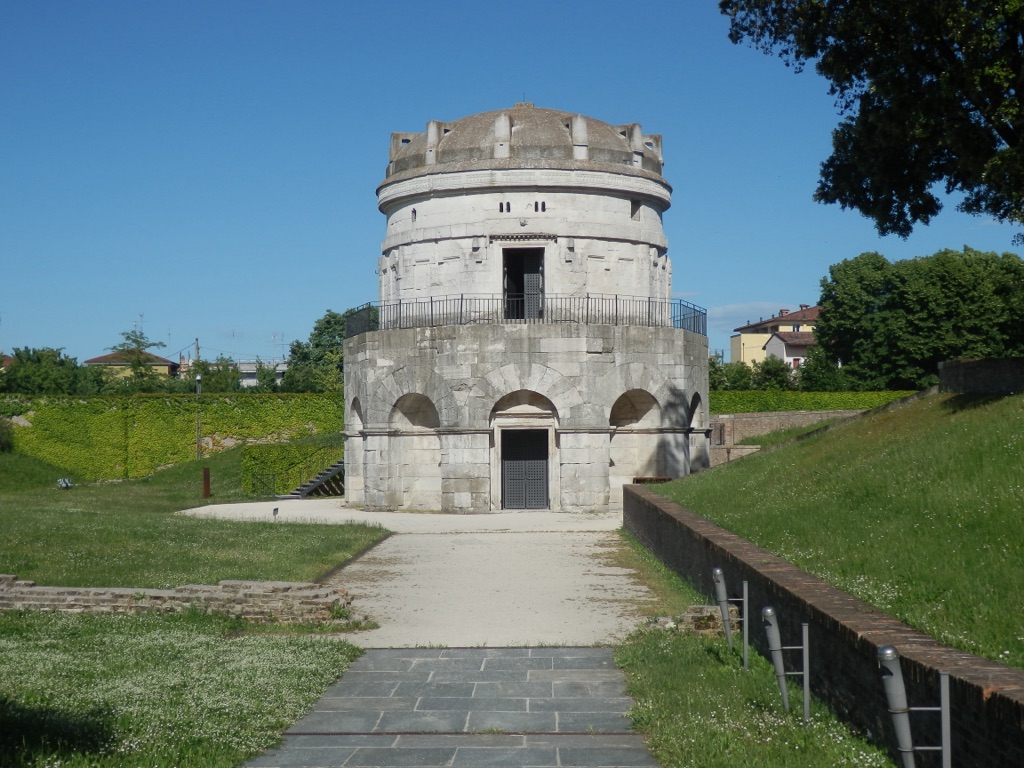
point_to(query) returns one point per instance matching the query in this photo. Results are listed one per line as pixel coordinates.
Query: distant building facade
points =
(120, 364)
(749, 343)
(525, 352)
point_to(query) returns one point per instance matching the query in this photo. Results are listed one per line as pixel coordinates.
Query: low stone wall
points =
(983, 377)
(728, 429)
(261, 601)
(987, 698)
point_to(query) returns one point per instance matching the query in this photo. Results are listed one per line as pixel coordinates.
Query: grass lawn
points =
(125, 534)
(192, 691)
(81, 691)
(915, 510)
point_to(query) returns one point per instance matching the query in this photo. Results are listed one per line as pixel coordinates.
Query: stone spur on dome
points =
(525, 351)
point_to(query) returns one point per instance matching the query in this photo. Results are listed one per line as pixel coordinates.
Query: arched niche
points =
(413, 411)
(414, 453)
(524, 404)
(633, 448)
(354, 452)
(636, 408)
(355, 416)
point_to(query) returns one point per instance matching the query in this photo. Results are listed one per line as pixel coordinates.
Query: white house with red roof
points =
(750, 343)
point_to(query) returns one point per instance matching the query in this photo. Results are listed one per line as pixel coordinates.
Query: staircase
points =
(329, 482)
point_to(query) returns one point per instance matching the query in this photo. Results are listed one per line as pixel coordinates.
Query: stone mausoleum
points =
(525, 351)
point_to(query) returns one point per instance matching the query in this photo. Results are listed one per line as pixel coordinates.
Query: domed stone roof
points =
(525, 137)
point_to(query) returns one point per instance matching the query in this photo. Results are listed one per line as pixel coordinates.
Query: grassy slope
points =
(126, 533)
(916, 510)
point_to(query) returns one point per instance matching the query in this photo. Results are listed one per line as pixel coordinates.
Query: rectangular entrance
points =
(523, 281)
(524, 469)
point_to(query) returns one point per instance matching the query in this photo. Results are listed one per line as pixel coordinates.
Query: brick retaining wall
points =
(729, 429)
(845, 634)
(262, 601)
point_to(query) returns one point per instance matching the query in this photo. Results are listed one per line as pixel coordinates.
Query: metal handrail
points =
(467, 309)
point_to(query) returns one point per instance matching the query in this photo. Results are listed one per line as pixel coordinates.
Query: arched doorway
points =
(524, 451)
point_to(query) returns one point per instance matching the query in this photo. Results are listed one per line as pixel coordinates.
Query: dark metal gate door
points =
(531, 291)
(524, 468)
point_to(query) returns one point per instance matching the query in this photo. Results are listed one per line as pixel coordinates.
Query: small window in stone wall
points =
(634, 209)
(414, 214)
(539, 207)
(504, 207)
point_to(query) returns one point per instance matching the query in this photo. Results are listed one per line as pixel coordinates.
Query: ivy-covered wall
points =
(278, 469)
(131, 436)
(759, 401)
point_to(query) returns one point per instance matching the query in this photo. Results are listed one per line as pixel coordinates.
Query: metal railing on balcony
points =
(466, 309)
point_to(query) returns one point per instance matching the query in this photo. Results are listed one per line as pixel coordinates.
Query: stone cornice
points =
(485, 181)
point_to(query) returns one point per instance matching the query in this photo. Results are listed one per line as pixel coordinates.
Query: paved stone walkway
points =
(507, 707)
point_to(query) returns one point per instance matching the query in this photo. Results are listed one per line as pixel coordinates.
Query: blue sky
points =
(208, 169)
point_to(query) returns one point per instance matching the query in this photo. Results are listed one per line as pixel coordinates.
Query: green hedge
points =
(132, 436)
(760, 401)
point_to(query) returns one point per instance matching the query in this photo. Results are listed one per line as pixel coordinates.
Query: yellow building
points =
(119, 364)
(747, 345)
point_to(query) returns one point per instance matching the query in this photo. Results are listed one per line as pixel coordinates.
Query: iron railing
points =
(466, 309)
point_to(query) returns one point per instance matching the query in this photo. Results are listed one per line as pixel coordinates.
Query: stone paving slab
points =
(401, 707)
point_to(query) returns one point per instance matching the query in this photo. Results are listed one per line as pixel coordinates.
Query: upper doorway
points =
(523, 282)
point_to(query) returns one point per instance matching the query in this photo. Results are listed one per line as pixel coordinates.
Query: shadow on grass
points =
(28, 734)
(961, 403)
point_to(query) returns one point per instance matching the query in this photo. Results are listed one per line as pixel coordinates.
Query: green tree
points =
(929, 93)
(221, 375)
(890, 325)
(134, 350)
(716, 373)
(316, 365)
(266, 377)
(819, 373)
(43, 371)
(723, 376)
(771, 373)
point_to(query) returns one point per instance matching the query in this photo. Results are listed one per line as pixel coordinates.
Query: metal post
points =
(771, 628)
(947, 756)
(199, 426)
(746, 626)
(806, 634)
(896, 696)
(723, 602)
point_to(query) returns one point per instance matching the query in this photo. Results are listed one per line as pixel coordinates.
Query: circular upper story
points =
(526, 137)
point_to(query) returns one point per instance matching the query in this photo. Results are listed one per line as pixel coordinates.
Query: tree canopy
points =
(930, 93)
(49, 371)
(316, 365)
(889, 325)
(134, 349)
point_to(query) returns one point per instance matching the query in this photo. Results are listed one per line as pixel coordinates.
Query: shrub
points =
(6, 436)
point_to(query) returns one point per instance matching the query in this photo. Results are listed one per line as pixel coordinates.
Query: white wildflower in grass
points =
(165, 691)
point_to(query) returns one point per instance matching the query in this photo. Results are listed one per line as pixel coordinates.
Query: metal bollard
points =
(723, 602)
(896, 696)
(771, 629)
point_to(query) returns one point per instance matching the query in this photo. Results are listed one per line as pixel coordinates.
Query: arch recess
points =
(414, 411)
(635, 408)
(414, 451)
(524, 404)
(633, 443)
